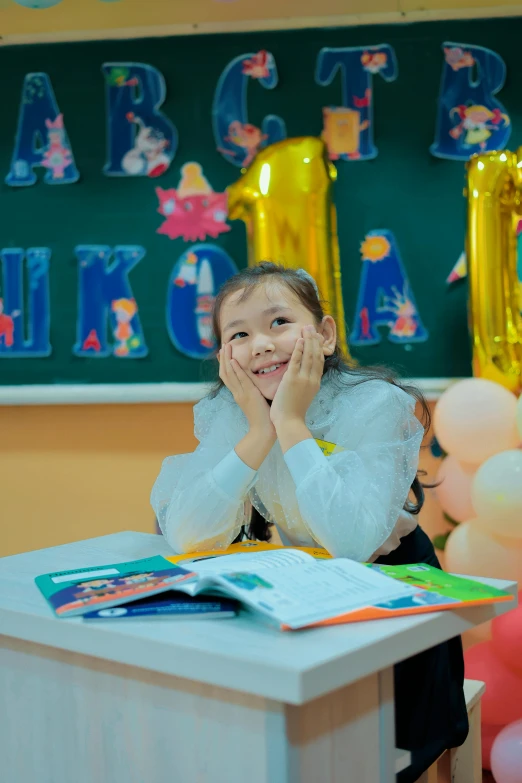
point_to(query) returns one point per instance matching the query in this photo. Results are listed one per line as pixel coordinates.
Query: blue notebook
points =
(170, 606)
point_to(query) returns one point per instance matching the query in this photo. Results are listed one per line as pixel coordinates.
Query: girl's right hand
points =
(246, 394)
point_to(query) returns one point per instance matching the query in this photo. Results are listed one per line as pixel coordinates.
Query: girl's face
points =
(263, 330)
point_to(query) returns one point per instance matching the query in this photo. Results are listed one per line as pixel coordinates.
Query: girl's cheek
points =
(291, 341)
(237, 354)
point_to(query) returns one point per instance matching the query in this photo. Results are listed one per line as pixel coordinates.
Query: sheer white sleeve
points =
(200, 499)
(351, 501)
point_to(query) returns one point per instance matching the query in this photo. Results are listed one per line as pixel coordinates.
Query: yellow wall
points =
(70, 17)
(74, 472)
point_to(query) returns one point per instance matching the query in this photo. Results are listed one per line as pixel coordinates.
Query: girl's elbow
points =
(181, 542)
(179, 534)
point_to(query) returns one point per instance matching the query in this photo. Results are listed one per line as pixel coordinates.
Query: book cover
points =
(171, 606)
(434, 591)
(81, 590)
(246, 547)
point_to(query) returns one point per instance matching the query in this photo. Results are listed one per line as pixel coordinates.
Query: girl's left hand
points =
(301, 381)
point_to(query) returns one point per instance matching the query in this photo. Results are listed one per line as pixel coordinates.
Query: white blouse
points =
(351, 503)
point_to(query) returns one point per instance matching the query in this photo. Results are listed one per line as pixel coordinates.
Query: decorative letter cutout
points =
(469, 117)
(105, 292)
(141, 141)
(348, 130)
(237, 139)
(12, 309)
(195, 279)
(41, 138)
(384, 297)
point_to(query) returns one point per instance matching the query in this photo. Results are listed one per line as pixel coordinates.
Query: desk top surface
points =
(242, 653)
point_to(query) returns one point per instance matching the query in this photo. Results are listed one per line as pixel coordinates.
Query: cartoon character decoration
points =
(259, 65)
(385, 297)
(91, 342)
(204, 304)
(148, 156)
(459, 271)
(457, 58)
(237, 139)
(476, 124)
(189, 274)
(341, 133)
(187, 271)
(192, 210)
(120, 76)
(401, 305)
(374, 62)
(123, 311)
(196, 278)
(470, 119)
(57, 156)
(6, 327)
(348, 129)
(247, 137)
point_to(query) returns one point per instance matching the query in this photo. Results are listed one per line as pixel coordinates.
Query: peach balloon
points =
(453, 492)
(496, 492)
(475, 419)
(471, 550)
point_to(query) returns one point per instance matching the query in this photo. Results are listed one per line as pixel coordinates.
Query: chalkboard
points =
(404, 189)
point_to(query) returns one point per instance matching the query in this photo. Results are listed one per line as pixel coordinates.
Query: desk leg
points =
(67, 717)
(346, 736)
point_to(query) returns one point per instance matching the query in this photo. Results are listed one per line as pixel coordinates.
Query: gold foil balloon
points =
(285, 200)
(493, 191)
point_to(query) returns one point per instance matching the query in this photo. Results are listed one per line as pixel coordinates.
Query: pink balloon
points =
(506, 754)
(475, 419)
(453, 492)
(489, 734)
(507, 638)
(502, 701)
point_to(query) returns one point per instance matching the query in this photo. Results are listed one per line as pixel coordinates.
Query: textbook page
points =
(306, 593)
(247, 561)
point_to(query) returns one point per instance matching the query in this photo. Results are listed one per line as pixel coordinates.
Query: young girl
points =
(283, 387)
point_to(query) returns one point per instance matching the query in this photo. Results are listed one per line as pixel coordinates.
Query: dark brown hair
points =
(338, 367)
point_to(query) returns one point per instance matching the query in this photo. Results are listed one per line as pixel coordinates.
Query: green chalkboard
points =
(406, 190)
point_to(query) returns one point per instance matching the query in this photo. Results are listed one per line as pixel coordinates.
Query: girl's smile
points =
(263, 329)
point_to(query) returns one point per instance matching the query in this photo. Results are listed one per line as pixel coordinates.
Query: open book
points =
(289, 586)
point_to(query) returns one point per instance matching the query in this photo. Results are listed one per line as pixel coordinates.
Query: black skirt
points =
(430, 709)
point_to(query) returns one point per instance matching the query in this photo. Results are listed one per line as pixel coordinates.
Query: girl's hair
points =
(337, 366)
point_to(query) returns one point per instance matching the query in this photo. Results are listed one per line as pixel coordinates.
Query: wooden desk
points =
(228, 701)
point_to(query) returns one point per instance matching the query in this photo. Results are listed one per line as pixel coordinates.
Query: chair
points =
(466, 761)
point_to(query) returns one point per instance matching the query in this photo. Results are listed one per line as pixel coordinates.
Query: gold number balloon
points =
(494, 204)
(285, 200)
